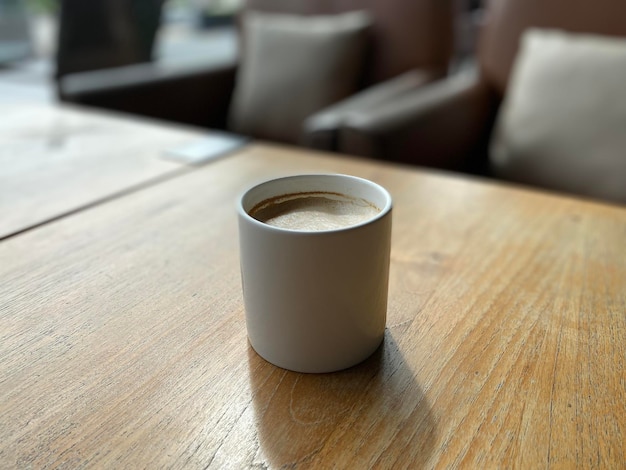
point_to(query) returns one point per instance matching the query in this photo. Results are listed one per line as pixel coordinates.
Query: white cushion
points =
(562, 124)
(293, 66)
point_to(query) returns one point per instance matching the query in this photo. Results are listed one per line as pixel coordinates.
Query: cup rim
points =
(388, 206)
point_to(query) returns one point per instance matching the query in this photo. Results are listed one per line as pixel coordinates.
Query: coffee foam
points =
(314, 211)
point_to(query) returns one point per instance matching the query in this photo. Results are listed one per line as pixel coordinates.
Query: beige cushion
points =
(293, 66)
(562, 124)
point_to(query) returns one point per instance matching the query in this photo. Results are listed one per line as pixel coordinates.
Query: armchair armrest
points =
(321, 129)
(197, 95)
(444, 125)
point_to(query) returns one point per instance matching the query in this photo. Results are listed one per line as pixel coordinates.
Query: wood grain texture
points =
(55, 159)
(123, 340)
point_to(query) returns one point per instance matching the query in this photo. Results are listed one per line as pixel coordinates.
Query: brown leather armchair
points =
(448, 124)
(412, 44)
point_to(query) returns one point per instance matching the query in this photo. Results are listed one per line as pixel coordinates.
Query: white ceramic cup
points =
(315, 301)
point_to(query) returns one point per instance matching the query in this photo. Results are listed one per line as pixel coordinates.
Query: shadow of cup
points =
(373, 413)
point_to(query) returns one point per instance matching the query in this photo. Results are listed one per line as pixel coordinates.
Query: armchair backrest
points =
(506, 20)
(406, 33)
(97, 34)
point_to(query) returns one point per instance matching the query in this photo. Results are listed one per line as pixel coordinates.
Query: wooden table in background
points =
(123, 341)
(55, 160)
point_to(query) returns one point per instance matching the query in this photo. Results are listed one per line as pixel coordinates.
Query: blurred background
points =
(185, 32)
(395, 80)
(41, 39)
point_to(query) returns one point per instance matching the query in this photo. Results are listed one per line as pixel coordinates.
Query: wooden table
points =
(57, 160)
(123, 341)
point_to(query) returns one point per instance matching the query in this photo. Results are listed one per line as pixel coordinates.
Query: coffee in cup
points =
(314, 255)
(314, 211)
